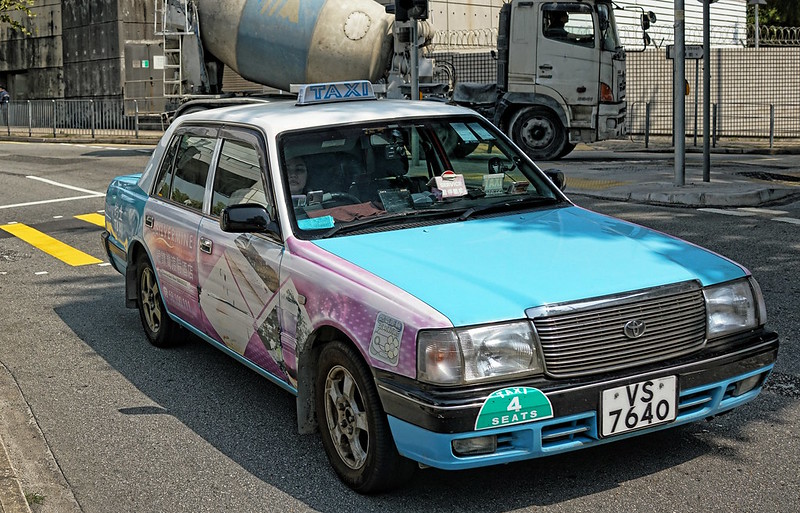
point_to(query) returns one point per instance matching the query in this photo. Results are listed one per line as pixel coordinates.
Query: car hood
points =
(487, 270)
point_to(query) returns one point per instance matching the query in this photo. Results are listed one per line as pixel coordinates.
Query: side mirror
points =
(557, 177)
(645, 22)
(246, 217)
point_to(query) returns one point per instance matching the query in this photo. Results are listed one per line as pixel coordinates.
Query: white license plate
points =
(638, 405)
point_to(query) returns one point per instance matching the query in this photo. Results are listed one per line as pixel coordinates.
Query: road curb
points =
(12, 498)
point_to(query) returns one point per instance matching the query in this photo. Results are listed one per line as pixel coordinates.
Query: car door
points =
(238, 272)
(568, 53)
(172, 217)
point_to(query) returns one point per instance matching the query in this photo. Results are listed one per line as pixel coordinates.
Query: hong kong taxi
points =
(428, 294)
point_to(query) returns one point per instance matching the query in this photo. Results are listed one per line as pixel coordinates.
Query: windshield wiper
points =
(516, 204)
(417, 214)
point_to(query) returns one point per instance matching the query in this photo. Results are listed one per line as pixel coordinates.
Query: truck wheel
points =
(539, 132)
(567, 150)
(354, 429)
(158, 327)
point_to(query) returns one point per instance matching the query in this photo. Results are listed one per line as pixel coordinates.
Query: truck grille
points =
(590, 337)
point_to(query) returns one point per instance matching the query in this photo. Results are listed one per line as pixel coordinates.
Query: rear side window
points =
(238, 178)
(191, 170)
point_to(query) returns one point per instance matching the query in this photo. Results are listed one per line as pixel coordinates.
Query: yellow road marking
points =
(49, 245)
(97, 219)
(592, 184)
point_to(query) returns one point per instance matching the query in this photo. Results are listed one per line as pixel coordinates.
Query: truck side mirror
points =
(557, 177)
(645, 22)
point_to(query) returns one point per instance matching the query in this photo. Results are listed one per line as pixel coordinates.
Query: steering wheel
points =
(336, 199)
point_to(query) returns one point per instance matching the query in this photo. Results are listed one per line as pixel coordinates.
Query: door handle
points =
(206, 245)
(545, 67)
(148, 221)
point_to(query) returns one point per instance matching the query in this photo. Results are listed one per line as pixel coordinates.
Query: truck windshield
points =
(608, 24)
(386, 175)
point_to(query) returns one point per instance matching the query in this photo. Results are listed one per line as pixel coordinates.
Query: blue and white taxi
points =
(427, 293)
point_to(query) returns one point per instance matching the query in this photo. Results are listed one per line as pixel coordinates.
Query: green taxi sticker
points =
(514, 405)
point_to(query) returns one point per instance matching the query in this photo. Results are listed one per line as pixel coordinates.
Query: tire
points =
(567, 150)
(353, 426)
(539, 132)
(158, 326)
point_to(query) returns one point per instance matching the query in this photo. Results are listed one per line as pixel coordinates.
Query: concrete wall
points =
(76, 49)
(31, 66)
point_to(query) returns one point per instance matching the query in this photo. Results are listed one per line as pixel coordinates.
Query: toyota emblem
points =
(634, 328)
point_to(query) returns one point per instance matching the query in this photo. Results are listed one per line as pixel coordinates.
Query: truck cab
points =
(561, 75)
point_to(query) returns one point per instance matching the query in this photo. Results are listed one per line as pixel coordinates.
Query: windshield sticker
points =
(316, 223)
(515, 405)
(481, 132)
(385, 343)
(449, 185)
(396, 201)
(493, 184)
(464, 132)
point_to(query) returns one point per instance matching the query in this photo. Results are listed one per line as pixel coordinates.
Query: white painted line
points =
(41, 273)
(734, 213)
(106, 264)
(70, 187)
(3, 273)
(43, 202)
(789, 220)
(58, 217)
(764, 211)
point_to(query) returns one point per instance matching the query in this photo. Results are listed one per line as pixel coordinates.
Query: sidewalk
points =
(733, 183)
(28, 468)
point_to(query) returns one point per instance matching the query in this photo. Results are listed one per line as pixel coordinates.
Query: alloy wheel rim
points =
(346, 417)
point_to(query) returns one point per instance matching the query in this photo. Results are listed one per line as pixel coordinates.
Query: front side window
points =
(386, 175)
(568, 23)
(238, 178)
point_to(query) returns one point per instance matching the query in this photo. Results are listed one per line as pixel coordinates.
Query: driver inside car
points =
(297, 174)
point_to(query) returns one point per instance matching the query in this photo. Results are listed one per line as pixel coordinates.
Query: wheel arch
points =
(307, 365)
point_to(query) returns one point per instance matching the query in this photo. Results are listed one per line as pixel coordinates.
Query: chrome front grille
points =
(584, 338)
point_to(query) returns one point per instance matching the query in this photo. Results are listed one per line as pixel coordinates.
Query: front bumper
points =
(612, 121)
(424, 423)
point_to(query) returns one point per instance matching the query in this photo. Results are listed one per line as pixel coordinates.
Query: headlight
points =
(734, 306)
(458, 356)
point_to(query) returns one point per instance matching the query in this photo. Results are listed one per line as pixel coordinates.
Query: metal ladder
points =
(172, 32)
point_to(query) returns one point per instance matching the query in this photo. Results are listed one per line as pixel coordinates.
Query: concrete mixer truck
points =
(560, 65)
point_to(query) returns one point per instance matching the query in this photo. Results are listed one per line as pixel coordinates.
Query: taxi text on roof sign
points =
(310, 94)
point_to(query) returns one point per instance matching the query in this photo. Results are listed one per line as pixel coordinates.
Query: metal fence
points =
(56, 118)
(755, 93)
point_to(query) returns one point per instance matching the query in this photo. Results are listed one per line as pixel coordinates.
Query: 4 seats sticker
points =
(514, 405)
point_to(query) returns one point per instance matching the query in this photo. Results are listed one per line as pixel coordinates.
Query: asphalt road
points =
(133, 428)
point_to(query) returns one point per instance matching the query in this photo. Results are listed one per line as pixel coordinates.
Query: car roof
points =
(284, 115)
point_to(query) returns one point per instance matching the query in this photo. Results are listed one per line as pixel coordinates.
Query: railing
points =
(56, 118)
(730, 120)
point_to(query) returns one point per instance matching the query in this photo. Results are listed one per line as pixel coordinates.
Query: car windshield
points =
(386, 175)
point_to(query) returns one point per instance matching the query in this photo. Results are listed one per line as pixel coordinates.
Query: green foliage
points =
(782, 13)
(7, 6)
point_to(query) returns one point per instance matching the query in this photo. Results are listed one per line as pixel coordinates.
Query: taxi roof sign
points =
(328, 92)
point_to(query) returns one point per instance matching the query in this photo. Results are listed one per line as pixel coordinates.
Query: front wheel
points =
(354, 429)
(158, 327)
(539, 132)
